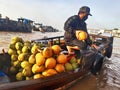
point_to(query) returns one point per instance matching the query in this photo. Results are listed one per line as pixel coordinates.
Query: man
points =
(72, 25)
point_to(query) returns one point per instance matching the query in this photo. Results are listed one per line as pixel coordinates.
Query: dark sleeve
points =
(70, 24)
(88, 41)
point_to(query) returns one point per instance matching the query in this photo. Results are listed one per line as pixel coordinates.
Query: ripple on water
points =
(110, 75)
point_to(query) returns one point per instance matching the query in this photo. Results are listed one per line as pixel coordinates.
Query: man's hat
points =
(85, 9)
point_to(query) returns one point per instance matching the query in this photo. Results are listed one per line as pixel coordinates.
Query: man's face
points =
(85, 16)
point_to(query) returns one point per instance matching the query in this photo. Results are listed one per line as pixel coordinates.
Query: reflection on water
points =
(109, 78)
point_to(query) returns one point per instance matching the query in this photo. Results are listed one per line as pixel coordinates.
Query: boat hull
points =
(14, 26)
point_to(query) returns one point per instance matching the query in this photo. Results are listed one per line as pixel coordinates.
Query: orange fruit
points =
(36, 76)
(50, 63)
(40, 59)
(81, 35)
(37, 69)
(49, 72)
(47, 52)
(60, 68)
(62, 59)
(56, 49)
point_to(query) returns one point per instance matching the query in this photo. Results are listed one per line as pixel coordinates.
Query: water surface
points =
(109, 78)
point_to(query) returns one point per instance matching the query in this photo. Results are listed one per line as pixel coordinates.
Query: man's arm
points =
(88, 41)
(69, 24)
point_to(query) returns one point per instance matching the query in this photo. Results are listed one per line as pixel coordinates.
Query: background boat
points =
(22, 25)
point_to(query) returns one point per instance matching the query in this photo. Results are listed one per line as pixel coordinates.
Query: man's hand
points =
(94, 46)
(77, 33)
(88, 41)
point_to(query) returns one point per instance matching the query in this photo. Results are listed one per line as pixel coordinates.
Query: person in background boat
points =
(72, 26)
(7, 19)
(26, 21)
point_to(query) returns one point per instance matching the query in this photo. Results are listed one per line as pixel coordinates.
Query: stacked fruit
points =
(72, 64)
(29, 61)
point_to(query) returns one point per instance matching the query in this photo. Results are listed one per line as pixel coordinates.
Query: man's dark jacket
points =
(71, 25)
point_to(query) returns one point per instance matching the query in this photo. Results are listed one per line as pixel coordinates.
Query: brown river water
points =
(109, 78)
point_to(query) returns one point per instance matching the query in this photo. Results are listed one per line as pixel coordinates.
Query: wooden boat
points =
(22, 25)
(43, 28)
(91, 61)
